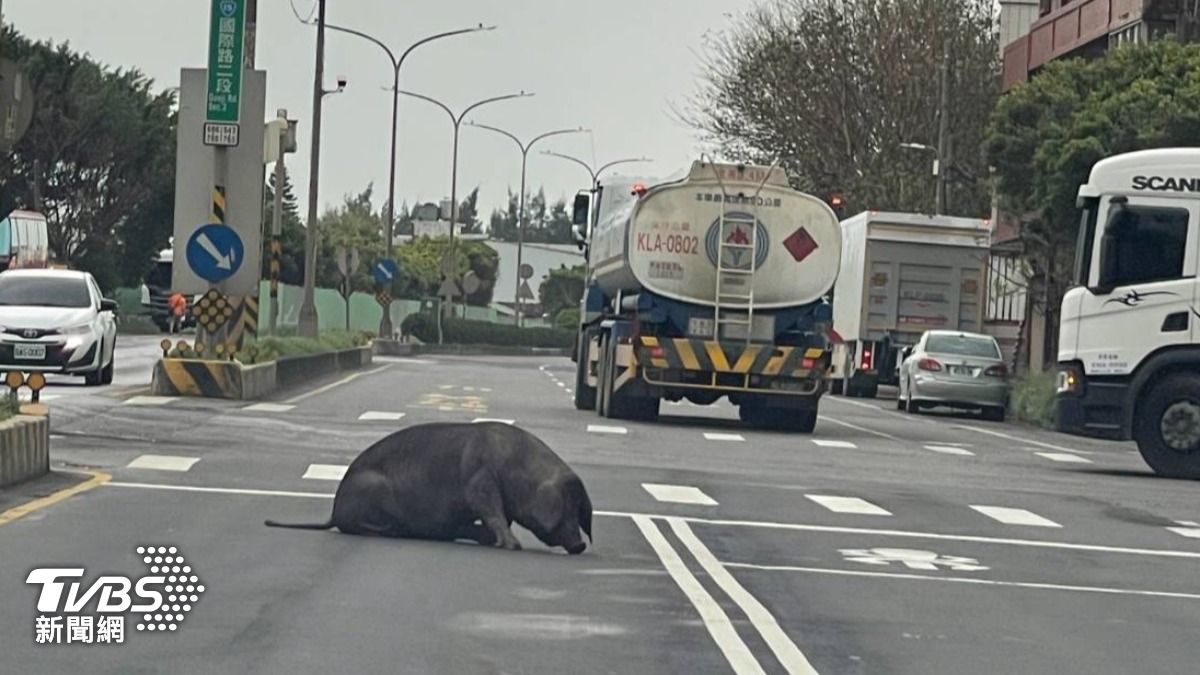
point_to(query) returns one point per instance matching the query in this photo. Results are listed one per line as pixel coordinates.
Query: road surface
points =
(884, 543)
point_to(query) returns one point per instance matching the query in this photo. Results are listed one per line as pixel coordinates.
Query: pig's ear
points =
(548, 505)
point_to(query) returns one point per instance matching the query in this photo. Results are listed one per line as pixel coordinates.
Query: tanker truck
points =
(711, 284)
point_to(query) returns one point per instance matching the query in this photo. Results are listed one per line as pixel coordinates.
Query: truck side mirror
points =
(580, 211)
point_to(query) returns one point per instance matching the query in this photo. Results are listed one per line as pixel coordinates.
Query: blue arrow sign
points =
(384, 271)
(215, 252)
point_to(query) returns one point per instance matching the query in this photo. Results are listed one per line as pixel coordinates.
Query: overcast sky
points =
(615, 67)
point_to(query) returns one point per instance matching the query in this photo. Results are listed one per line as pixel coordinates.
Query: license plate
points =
(962, 370)
(29, 351)
(700, 327)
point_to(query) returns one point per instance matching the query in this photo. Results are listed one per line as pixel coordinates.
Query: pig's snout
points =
(576, 548)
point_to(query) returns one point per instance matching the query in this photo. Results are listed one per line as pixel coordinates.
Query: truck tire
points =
(1167, 427)
(585, 396)
(603, 381)
(837, 386)
(618, 405)
(778, 419)
(870, 390)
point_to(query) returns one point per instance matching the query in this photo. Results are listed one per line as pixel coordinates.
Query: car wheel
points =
(900, 404)
(106, 374)
(911, 405)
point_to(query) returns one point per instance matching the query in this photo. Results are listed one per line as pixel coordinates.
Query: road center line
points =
(767, 525)
(848, 425)
(345, 380)
(964, 580)
(715, 619)
(785, 650)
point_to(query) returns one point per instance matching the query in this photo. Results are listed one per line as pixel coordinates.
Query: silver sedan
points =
(957, 370)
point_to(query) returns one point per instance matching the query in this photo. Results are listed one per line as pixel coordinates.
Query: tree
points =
(544, 223)
(834, 87)
(1046, 134)
(353, 225)
(421, 261)
(98, 160)
(562, 289)
(468, 213)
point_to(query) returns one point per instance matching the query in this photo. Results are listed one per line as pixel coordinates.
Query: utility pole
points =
(943, 155)
(309, 326)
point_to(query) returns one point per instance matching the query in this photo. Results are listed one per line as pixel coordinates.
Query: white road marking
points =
(789, 655)
(568, 391)
(325, 471)
(1187, 523)
(268, 407)
(150, 400)
(833, 444)
(559, 383)
(375, 415)
(678, 494)
(345, 380)
(485, 389)
(949, 450)
(445, 386)
(402, 359)
(766, 525)
(708, 435)
(1063, 457)
(479, 420)
(601, 429)
(1010, 437)
(740, 658)
(865, 430)
(468, 388)
(914, 559)
(1011, 516)
(1189, 532)
(849, 505)
(163, 462)
(964, 580)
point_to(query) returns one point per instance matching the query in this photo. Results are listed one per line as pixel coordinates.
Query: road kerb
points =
(97, 479)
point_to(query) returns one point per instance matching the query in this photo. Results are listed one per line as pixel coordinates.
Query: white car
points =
(56, 321)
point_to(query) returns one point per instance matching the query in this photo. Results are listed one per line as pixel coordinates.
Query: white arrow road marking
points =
(679, 494)
(912, 558)
(225, 261)
(849, 505)
(1010, 516)
(163, 462)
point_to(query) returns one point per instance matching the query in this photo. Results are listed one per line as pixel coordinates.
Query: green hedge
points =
(1032, 399)
(423, 326)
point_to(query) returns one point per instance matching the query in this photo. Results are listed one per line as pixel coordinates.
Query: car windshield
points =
(43, 291)
(962, 345)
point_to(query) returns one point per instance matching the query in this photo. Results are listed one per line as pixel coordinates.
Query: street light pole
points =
(385, 324)
(595, 173)
(456, 121)
(525, 148)
(309, 325)
(939, 174)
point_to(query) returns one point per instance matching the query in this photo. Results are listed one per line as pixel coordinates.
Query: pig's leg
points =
(477, 532)
(483, 496)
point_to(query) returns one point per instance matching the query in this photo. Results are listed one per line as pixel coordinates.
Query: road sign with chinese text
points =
(226, 43)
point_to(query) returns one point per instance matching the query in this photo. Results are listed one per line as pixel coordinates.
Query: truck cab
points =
(1128, 359)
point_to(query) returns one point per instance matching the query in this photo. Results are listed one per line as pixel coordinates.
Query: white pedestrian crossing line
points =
(1011, 516)
(377, 415)
(163, 462)
(708, 435)
(325, 471)
(150, 400)
(849, 505)
(269, 407)
(1064, 457)
(833, 444)
(950, 450)
(480, 420)
(601, 429)
(678, 494)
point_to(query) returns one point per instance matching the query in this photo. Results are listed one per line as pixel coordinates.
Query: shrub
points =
(468, 332)
(567, 319)
(1032, 399)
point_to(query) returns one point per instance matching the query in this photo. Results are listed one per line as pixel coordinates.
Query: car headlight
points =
(82, 329)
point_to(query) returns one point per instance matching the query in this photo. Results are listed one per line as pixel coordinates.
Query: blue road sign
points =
(215, 252)
(384, 271)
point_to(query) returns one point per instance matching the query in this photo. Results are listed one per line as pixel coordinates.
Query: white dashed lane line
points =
(601, 429)
(1065, 457)
(268, 407)
(711, 436)
(377, 416)
(950, 450)
(1011, 516)
(163, 462)
(849, 505)
(480, 420)
(150, 400)
(833, 444)
(325, 471)
(678, 494)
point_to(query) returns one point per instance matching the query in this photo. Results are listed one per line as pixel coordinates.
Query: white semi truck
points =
(707, 285)
(1129, 337)
(901, 275)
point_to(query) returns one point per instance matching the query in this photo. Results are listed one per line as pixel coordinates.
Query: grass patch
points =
(8, 406)
(1032, 399)
(268, 349)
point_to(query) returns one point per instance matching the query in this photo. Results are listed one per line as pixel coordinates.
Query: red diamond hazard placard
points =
(800, 244)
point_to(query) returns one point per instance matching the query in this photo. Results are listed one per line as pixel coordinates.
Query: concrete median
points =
(233, 380)
(397, 348)
(24, 448)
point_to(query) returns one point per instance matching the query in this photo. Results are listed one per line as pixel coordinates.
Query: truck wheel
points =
(804, 421)
(585, 396)
(603, 381)
(1167, 427)
(870, 391)
(836, 387)
(618, 405)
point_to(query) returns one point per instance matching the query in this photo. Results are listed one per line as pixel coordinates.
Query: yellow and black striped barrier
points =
(726, 357)
(218, 205)
(195, 377)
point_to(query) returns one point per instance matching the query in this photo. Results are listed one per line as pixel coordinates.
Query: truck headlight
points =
(1069, 381)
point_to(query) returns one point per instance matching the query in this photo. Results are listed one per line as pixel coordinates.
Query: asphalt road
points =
(884, 543)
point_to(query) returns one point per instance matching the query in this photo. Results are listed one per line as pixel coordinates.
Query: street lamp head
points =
(483, 27)
(341, 82)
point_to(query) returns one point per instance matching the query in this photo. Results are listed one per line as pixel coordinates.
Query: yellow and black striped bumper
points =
(729, 357)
